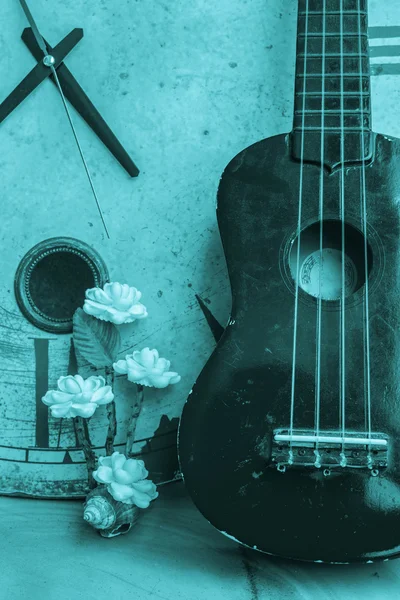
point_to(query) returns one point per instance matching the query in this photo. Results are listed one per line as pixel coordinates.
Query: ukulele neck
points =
(332, 107)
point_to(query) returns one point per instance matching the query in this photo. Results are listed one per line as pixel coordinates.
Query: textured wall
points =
(185, 86)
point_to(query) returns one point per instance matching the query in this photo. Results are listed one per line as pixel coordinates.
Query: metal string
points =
(298, 233)
(321, 221)
(343, 255)
(367, 391)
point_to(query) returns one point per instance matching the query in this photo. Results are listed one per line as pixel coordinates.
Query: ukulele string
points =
(342, 367)
(321, 225)
(298, 235)
(367, 371)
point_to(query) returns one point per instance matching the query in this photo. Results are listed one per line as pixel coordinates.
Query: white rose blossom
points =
(76, 396)
(116, 302)
(126, 479)
(145, 367)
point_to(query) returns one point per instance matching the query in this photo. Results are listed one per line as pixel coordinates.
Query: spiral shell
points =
(99, 513)
(107, 515)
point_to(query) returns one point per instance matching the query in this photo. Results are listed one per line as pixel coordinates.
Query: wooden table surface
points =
(49, 553)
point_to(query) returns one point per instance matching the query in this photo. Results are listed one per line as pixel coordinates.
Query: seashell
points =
(108, 516)
(99, 512)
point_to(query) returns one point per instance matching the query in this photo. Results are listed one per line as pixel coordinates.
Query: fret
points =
(337, 13)
(321, 76)
(336, 34)
(355, 146)
(334, 94)
(332, 66)
(334, 103)
(333, 45)
(331, 122)
(332, 84)
(319, 111)
(333, 5)
(315, 25)
(336, 55)
(333, 129)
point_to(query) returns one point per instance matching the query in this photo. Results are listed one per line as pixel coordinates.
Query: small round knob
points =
(49, 60)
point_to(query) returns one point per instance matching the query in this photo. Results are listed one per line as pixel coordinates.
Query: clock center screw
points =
(49, 60)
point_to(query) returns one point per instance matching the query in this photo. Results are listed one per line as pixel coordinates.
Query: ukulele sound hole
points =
(323, 278)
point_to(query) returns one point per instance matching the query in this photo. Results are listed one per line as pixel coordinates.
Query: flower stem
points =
(84, 441)
(130, 438)
(111, 414)
(112, 428)
(59, 432)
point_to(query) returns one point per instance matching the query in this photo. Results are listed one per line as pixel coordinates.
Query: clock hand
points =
(82, 104)
(39, 74)
(33, 25)
(49, 61)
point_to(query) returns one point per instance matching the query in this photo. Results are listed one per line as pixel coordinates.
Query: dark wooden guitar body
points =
(243, 392)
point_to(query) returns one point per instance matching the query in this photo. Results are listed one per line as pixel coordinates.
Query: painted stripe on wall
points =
(383, 32)
(42, 383)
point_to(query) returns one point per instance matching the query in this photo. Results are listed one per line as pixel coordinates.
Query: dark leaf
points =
(97, 341)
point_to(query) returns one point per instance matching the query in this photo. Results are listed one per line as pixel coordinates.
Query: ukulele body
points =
(243, 394)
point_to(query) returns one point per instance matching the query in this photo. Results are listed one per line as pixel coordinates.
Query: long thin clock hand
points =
(35, 29)
(83, 105)
(39, 74)
(49, 61)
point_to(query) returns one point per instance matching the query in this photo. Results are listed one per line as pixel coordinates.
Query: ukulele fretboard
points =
(332, 87)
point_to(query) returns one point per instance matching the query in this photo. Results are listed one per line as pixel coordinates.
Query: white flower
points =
(126, 479)
(77, 396)
(146, 368)
(116, 302)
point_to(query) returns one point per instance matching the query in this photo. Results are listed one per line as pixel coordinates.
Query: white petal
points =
(103, 396)
(93, 383)
(115, 290)
(143, 380)
(70, 384)
(83, 410)
(143, 497)
(121, 366)
(122, 476)
(138, 310)
(103, 474)
(55, 397)
(163, 364)
(148, 357)
(93, 308)
(117, 460)
(61, 410)
(158, 381)
(173, 377)
(98, 295)
(116, 316)
(120, 492)
(136, 371)
(136, 469)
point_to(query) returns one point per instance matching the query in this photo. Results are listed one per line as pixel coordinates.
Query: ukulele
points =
(289, 442)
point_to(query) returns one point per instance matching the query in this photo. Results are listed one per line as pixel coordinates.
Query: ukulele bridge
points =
(329, 449)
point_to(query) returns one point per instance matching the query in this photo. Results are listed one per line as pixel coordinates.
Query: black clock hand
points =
(82, 104)
(39, 74)
(49, 61)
